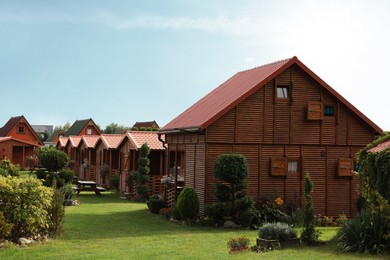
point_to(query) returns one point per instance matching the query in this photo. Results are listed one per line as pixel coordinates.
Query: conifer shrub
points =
(309, 233)
(188, 203)
(142, 174)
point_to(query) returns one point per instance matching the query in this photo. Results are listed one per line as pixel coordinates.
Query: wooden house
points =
(286, 121)
(146, 124)
(83, 127)
(18, 141)
(70, 145)
(129, 154)
(87, 151)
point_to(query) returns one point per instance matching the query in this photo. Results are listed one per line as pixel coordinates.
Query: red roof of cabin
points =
(233, 91)
(380, 147)
(112, 141)
(138, 138)
(90, 140)
(75, 140)
(63, 140)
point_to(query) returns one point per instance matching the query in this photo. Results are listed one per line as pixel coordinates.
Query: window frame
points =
(23, 127)
(287, 92)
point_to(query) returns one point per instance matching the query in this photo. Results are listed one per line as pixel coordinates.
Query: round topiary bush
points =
(52, 159)
(188, 203)
(155, 203)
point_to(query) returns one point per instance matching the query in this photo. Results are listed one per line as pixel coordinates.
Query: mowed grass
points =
(108, 228)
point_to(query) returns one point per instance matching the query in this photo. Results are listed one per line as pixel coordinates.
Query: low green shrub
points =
(365, 233)
(155, 203)
(25, 203)
(114, 181)
(56, 213)
(269, 211)
(41, 174)
(217, 212)
(68, 191)
(8, 169)
(277, 231)
(238, 243)
(188, 203)
(175, 212)
(5, 227)
(67, 175)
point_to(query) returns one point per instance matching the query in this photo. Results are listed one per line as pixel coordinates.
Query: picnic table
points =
(89, 186)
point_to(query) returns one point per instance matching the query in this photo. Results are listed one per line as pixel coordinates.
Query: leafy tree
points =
(115, 128)
(309, 234)
(52, 159)
(64, 128)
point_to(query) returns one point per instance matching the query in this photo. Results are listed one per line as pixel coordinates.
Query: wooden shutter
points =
(278, 166)
(314, 111)
(345, 167)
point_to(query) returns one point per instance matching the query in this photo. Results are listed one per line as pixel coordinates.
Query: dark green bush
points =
(188, 203)
(269, 211)
(155, 203)
(41, 174)
(232, 171)
(66, 175)
(218, 212)
(68, 191)
(367, 232)
(277, 231)
(175, 212)
(114, 181)
(52, 159)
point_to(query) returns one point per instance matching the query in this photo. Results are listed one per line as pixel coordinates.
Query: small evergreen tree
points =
(232, 170)
(188, 203)
(142, 175)
(309, 234)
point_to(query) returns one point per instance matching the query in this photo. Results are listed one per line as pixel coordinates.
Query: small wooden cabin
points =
(286, 121)
(18, 141)
(129, 153)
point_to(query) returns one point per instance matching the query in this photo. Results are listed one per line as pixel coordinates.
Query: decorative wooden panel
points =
(278, 166)
(314, 110)
(200, 175)
(345, 167)
(270, 185)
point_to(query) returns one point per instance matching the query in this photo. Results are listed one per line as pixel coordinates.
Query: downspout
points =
(165, 154)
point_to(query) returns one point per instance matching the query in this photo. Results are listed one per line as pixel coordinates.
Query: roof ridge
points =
(268, 64)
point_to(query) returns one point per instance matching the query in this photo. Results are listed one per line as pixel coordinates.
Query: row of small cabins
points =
(281, 116)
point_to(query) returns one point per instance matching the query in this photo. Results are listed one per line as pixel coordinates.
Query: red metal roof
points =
(239, 87)
(138, 138)
(112, 141)
(75, 140)
(90, 140)
(8, 138)
(380, 147)
(63, 140)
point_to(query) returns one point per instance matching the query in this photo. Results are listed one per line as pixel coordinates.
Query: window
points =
(21, 129)
(292, 166)
(89, 131)
(329, 111)
(282, 92)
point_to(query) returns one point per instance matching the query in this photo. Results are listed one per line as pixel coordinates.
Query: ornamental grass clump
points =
(277, 231)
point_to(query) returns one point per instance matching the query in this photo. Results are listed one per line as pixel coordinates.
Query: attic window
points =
(282, 92)
(21, 129)
(89, 131)
(329, 111)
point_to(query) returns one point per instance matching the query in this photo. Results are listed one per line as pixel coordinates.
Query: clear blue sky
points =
(128, 61)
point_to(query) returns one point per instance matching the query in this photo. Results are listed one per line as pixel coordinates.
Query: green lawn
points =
(108, 228)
